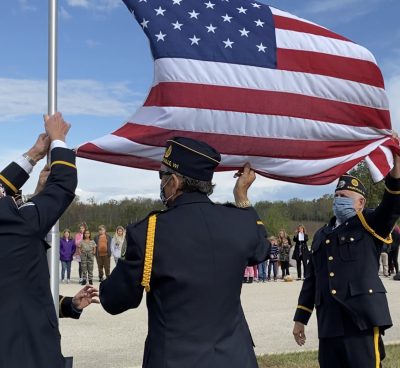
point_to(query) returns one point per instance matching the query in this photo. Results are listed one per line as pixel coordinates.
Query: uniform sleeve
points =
(66, 309)
(263, 246)
(45, 208)
(386, 214)
(123, 290)
(306, 300)
(12, 178)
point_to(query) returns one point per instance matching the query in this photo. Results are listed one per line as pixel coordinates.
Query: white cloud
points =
(92, 43)
(346, 10)
(327, 6)
(393, 90)
(80, 3)
(101, 5)
(22, 97)
(64, 14)
(25, 6)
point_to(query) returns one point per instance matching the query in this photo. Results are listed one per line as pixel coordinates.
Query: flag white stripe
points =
(250, 125)
(274, 166)
(243, 76)
(293, 40)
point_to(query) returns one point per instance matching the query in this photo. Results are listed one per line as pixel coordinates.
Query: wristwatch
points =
(29, 159)
(243, 204)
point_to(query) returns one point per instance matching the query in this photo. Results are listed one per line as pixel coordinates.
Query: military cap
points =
(192, 158)
(349, 182)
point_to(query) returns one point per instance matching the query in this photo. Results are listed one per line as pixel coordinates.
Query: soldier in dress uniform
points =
(29, 335)
(190, 259)
(342, 278)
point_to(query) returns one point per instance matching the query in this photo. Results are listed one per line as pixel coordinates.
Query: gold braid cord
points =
(148, 257)
(388, 240)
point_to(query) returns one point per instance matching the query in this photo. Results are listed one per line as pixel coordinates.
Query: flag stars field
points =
(195, 40)
(209, 5)
(226, 18)
(193, 14)
(177, 25)
(244, 32)
(228, 43)
(160, 36)
(261, 47)
(144, 23)
(211, 28)
(160, 11)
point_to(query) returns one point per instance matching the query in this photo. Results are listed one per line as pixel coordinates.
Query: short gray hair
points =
(192, 185)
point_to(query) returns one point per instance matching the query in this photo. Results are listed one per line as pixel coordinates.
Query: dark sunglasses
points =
(162, 173)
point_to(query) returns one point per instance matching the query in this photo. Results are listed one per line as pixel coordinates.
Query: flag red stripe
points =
(92, 152)
(291, 24)
(241, 145)
(355, 70)
(379, 158)
(265, 102)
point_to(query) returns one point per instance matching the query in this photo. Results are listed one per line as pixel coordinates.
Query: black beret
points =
(192, 158)
(349, 182)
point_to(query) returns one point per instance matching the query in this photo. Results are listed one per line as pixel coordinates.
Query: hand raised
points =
(56, 127)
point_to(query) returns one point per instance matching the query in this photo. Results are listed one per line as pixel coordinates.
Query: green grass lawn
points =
(310, 359)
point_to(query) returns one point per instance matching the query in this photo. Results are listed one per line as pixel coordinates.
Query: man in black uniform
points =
(190, 259)
(29, 335)
(342, 279)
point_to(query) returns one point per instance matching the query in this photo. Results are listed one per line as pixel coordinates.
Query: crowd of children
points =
(281, 253)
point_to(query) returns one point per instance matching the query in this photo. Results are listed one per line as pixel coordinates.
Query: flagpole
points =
(53, 255)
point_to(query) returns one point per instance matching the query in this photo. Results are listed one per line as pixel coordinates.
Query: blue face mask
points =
(343, 208)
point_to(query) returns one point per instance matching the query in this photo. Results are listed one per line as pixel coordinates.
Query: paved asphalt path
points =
(100, 340)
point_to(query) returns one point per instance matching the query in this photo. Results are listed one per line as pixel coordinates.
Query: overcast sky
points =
(105, 70)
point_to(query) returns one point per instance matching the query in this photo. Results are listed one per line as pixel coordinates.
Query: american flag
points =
(296, 100)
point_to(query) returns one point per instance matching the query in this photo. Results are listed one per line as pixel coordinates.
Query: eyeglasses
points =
(162, 173)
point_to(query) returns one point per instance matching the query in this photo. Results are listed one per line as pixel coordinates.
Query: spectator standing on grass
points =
(77, 256)
(301, 252)
(103, 252)
(67, 250)
(87, 249)
(273, 258)
(118, 244)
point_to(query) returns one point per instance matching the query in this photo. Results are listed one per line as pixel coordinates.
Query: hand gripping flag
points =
(297, 101)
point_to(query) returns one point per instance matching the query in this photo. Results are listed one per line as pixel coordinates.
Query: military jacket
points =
(342, 276)
(29, 335)
(200, 252)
